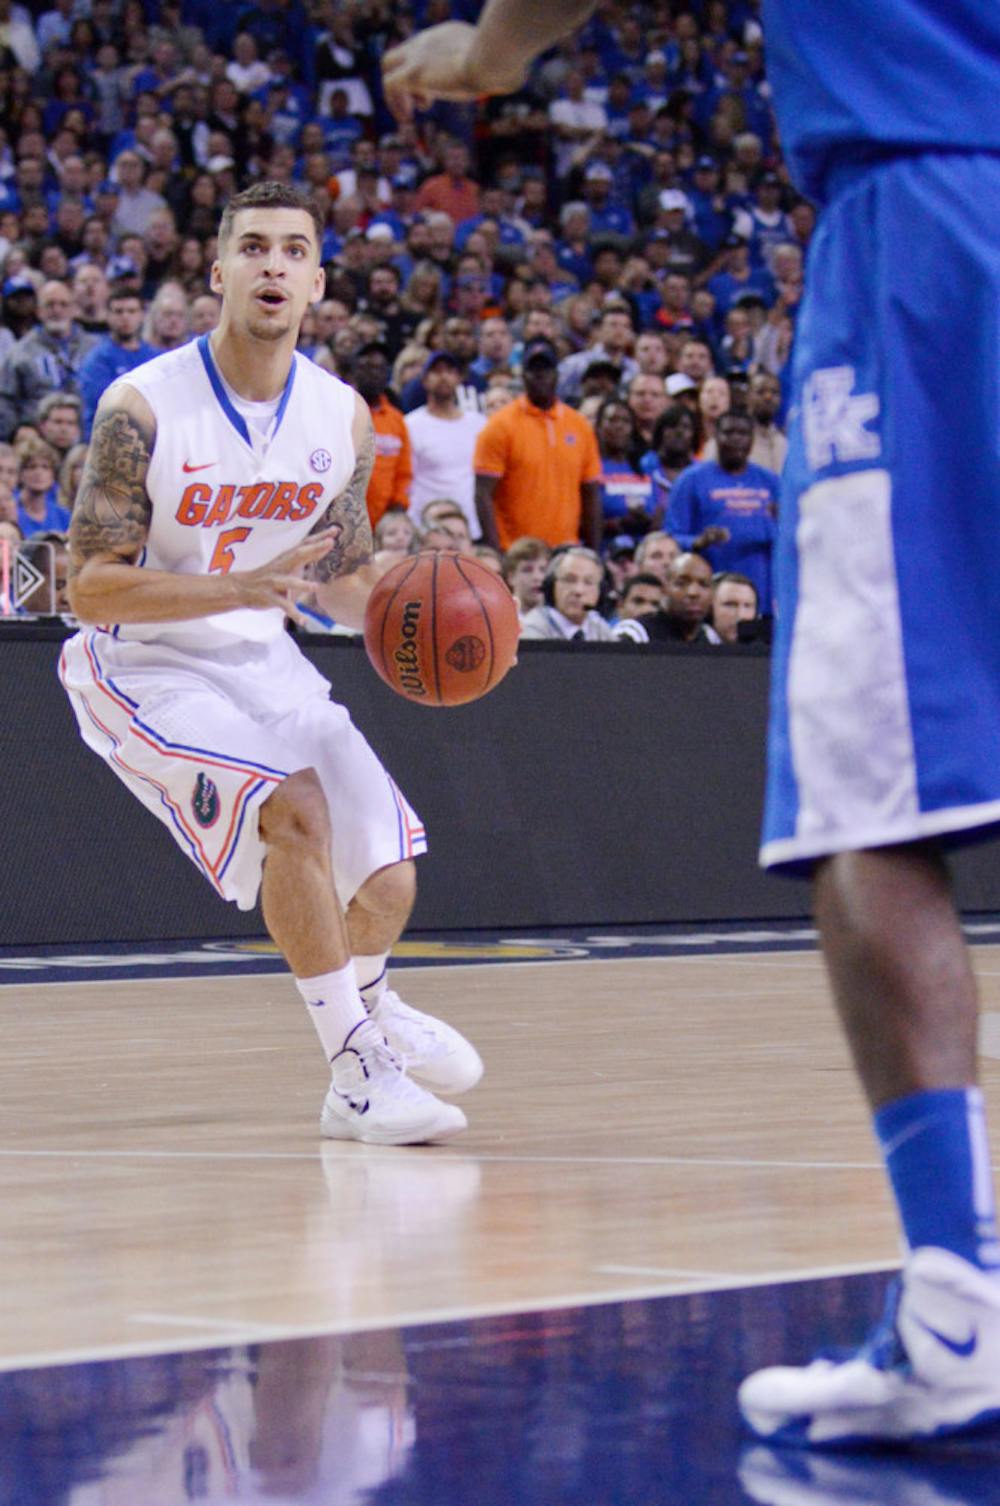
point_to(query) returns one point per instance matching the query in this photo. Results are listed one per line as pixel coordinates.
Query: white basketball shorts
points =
(203, 741)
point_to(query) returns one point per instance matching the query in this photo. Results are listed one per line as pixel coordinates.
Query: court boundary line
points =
(734, 1163)
(798, 948)
(226, 1331)
(401, 966)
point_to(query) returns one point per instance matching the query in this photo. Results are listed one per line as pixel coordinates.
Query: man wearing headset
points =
(570, 593)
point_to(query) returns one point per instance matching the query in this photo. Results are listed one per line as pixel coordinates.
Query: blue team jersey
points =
(745, 503)
(625, 494)
(852, 78)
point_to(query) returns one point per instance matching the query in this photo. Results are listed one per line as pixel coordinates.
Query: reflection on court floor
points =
(625, 1404)
(201, 1301)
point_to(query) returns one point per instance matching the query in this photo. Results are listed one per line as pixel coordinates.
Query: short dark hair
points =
(122, 292)
(733, 578)
(669, 419)
(643, 578)
(270, 195)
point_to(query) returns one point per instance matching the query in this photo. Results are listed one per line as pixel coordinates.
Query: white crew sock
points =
(371, 976)
(334, 1006)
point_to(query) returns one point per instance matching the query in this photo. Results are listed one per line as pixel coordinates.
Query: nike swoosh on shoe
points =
(963, 1348)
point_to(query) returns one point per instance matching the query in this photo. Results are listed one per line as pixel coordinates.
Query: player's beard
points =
(259, 327)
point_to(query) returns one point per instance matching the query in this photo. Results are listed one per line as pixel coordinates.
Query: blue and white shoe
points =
(372, 1099)
(931, 1369)
(792, 1477)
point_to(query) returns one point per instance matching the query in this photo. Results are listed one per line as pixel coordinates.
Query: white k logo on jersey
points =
(834, 419)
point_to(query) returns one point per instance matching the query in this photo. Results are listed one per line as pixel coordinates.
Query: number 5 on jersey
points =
(222, 556)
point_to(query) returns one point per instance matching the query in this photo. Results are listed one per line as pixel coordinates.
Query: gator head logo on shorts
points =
(205, 801)
(466, 654)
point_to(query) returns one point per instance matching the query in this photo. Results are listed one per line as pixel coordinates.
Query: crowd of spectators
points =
(570, 309)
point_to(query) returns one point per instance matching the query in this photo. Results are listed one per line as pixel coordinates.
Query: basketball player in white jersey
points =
(217, 475)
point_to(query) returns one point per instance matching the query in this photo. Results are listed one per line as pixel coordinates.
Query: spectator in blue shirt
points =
(341, 130)
(712, 216)
(618, 105)
(287, 111)
(727, 508)
(121, 350)
(626, 494)
(670, 456)
(737, 276)
(54, 25)
(283, 28)
(573, 250)
(491, 208)
(771, 225)
(740, 92)
(606, 217)
(38, 509)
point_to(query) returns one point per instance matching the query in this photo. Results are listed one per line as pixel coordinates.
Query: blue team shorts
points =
(885, 702)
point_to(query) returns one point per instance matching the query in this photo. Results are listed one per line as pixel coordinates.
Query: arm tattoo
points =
(348, 513)
(112, 510)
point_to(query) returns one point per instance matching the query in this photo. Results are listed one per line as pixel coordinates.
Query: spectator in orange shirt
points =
(451, 190)
(393, 470)
(538, 468)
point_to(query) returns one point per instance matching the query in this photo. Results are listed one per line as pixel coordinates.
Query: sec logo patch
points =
(321, 460)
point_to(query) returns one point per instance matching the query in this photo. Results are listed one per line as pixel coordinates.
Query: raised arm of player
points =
(459, 61)
(345, 575)
(109, 527)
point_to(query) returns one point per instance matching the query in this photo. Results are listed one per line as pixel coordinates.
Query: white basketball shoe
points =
(431, 1050)
(372, 1099)
(931, 1368)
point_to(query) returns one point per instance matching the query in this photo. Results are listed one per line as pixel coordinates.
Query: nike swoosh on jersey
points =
(963, 1348)
(187, 467)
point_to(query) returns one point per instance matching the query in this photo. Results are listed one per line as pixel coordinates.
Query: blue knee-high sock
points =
(937, 1155)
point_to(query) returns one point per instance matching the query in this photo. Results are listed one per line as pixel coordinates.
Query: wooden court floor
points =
(644, 1126)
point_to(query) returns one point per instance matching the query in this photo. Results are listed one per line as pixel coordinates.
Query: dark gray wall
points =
(604, 786)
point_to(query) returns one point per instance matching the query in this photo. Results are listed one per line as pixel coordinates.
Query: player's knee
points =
(391, 890)
(296, 814)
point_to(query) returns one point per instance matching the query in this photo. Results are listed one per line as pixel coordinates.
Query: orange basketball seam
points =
(434, 641)
(486, 619)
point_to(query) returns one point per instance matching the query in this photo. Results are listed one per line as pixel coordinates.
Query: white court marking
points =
(734, 1281)
(770, 959)
(212, 1327)
(670, 1272)
(989, 1032)
(737, 1163)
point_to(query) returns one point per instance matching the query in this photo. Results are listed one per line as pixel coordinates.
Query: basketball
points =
(441, 628)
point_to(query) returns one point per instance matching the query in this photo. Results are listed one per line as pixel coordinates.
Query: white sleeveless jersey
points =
(223, 501)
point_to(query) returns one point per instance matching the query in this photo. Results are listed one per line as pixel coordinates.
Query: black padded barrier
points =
(606, 785)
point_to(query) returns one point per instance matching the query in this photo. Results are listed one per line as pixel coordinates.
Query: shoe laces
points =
(412, 1030)
(365, 1059)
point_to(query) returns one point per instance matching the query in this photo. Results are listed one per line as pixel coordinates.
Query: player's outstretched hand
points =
(441, 63)
(280, 583)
